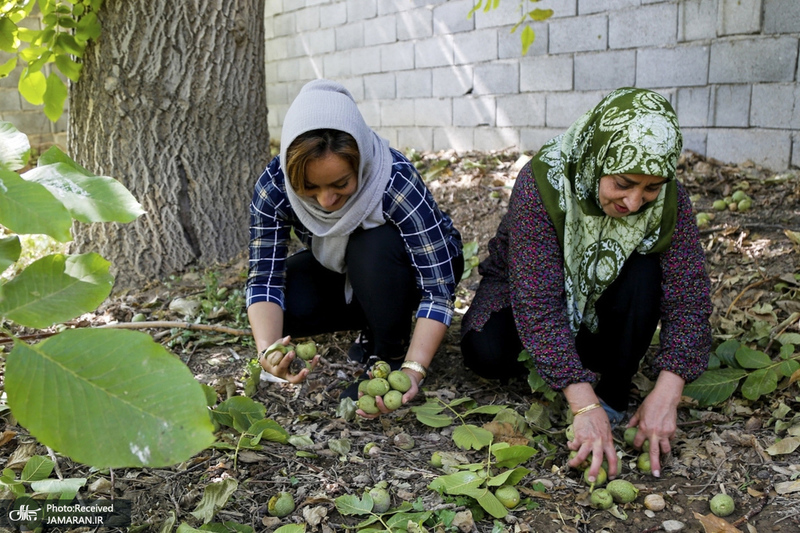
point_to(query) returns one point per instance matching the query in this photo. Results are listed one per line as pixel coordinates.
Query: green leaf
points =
(269, 430)
(239, 412)
(88, 198)
(486, 410)
(29, 208)
(456, 484)
(56, 288)
(32, 86)
(430, 415)
(108, 398)
(54, 97)
(508, 477)
(10, 249)
(291, 528)
(88, 27)
(749, 358)
(352, 505)
(215, 496)
(15, 150)
(68, 67)
(8, 67)
(470, 436)
(540, 14)
(398, 522)
(726, 352)
(786, 351)
(8, 35)
(788, 367)
(489, 502)
(759, 383)
(470, 249)
(66, 43)
(789, 338)
(37, 468)
(527, 37)
(67, 488)
(513, 455)
(714, 386)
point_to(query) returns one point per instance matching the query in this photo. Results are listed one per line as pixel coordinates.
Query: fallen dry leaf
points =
(787, 487)
(714, 524)
(787, 445)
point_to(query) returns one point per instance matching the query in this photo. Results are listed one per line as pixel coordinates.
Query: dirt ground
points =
(716, 449)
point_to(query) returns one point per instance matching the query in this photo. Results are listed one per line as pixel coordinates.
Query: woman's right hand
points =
(277, 364)
(593, 441)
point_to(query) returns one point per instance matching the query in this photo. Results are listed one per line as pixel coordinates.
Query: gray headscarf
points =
(325, 104)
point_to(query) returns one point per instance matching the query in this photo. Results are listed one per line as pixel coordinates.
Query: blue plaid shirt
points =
(430, 238)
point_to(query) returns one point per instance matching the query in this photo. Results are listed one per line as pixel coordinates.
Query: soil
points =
(753, 264)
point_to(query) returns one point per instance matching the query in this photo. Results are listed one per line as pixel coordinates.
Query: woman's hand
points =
(657, 418)
(277, 364)
(593, 441)
(407, 396)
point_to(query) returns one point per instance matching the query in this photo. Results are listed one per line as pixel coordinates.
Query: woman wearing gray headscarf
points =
(379, 251)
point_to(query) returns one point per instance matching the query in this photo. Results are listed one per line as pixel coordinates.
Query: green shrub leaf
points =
(508, 477)
(456, 484)
(56, 288)
(749, 358)
(513, 455)
(215, 496)
(37, 468)
(29, 208)
(54, 97)
(788, 367)
(488, 501)
(108, 398)
(714, 386)
(32, 86)
(471, 436)
(239, 412)
(726, 352)
(10, 250)
(353, 505)
(15, 149)
(759, 383)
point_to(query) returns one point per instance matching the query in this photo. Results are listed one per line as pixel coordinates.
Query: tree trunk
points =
(172, 103)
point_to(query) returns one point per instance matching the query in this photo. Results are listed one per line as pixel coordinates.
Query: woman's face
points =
(330, 180)
(624, 194)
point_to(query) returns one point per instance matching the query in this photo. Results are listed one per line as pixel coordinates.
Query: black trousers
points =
(628, 313)
(385, 292)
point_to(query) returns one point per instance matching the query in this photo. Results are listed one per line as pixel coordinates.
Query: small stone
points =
(671, 526)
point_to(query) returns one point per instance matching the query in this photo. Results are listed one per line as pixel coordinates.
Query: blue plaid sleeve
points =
(430, 238)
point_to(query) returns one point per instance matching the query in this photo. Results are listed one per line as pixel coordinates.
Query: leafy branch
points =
(528, 36)
(466, 436)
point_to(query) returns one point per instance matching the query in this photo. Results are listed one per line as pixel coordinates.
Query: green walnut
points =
(362, 386)
(599, 481)
(738, 196)
(570, 433)
(508, 496)
(722, 505)
(643, 463)
(601, 499)
(720, 205)
(399, 381)
(378, 387)
(586, 463)
(744, 205)
(381, 369)
(381, 501)
(436, 459)
(306, 350)
(281, 504)
(367, 404)
(630, 435)
(622, 491)
(393, 399)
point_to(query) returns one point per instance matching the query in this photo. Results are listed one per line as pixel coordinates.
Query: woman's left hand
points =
(657, 418)
(407, 396)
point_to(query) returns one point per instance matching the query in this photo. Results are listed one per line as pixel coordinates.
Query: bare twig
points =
(176, 324)
(755, 510)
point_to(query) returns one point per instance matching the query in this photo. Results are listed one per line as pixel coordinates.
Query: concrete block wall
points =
(426, 76)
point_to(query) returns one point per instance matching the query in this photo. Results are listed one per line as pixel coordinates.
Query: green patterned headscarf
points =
(631, 131)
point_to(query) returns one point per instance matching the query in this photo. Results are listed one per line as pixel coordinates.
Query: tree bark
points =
(171, 102)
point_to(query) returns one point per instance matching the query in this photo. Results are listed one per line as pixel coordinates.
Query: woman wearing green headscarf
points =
(599, 244)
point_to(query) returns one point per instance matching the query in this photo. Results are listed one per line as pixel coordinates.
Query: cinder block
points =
(546, 73)
(272, 7)
(10, 100)
(510, 44)
(605, 70)
(488, 139)
(278, 49)
(587, 7)
(738, 16)
(531, 140)
(350, 36)
(397, 56)
(693, 106)
(475, 46)
(561, 8)
(355, 86)
(753, 60)
(433, 112)
(331, 15)
(578, 34)
(381, 30)
(654, 25)
(307, 19)
(521, 110)
(451, 17)
(695, 139)
(506, 14)
(452, 81)
(365, 61)
(390, 134)
(458, 139)
(474, 111)
(30, 123)
(283, 24)
(415, 24)
(682, 66)
(337, 65)
(496, 78)
(731, 106)
(397, 113)
(434, 52)
(312, 43)
(415, 84)
(371, 111)
(564, 108)
(293, 5)
(277, 94)
(296, 69)
(417, 138)
(776, 106)
(796, 149)
(697, 19)
(380, 86)
(361, 9)
(768, 148)
(271, 71)
(781, 16)
(316, 2)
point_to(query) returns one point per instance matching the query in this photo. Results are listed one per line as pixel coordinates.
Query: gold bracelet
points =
(416, 367)
(586, 409)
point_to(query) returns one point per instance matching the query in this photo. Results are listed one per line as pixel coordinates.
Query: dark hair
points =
(313, 145)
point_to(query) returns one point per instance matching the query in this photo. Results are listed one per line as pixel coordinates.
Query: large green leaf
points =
(56, 288)
(714, 386)
(15, 149)
(27, 207)
(458, 483)
(471, 436)
(759, 383)
(89, 198)
(513, 455)
(10, 248)
(32, 86)
(108, 398)
(488, 501)
(749, 358)
(353, 505)
(54, 97)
